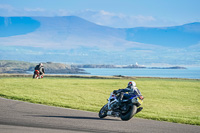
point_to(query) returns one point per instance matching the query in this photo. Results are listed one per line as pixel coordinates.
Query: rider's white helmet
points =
(131, 84)
(40, 64)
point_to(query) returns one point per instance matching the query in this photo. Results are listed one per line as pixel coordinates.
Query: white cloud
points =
(34, 9)
(63, 12)
(102, 17)
(106, 13)
(120, 20)
(6, 7)
(142, 19)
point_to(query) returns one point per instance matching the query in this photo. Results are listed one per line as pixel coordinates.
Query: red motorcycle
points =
(36, 75)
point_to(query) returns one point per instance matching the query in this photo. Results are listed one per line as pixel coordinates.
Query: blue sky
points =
(114, 13)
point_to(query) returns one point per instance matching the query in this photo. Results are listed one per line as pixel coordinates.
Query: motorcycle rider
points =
(40, 68)
(132, 90)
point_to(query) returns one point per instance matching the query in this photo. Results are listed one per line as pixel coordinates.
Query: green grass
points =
(172, 100)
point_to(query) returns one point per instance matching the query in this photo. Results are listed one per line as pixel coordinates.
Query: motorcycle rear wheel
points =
(103, 111)
(129, 114)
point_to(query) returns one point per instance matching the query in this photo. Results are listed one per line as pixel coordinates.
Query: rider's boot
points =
(139, 109)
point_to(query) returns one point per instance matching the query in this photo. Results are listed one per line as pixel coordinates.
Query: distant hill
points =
(176, 36)
(74, 30)
(7, 66)
(58, 32)
(75, 40)
(12, 26)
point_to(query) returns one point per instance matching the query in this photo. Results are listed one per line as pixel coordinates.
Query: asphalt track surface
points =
(23, 117)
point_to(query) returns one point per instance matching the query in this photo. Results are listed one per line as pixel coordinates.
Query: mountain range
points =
(72, 39)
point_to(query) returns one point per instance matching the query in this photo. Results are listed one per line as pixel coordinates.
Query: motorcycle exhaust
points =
(109, 113)
(114, 114)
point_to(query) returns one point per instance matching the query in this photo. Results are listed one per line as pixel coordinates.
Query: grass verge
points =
(172, 100)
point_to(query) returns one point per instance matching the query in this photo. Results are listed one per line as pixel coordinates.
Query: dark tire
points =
(129, 114)
(103, 111)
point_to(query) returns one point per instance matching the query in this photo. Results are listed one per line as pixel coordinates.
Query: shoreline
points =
(7, 75)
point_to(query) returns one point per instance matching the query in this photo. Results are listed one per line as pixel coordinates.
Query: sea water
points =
(192, 73)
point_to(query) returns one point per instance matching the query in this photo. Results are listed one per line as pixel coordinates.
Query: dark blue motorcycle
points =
(125, 109)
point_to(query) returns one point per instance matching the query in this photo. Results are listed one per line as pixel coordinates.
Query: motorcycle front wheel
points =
(103, 111)
(129, 114)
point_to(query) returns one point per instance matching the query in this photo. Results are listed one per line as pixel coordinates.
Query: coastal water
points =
(191, 73)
